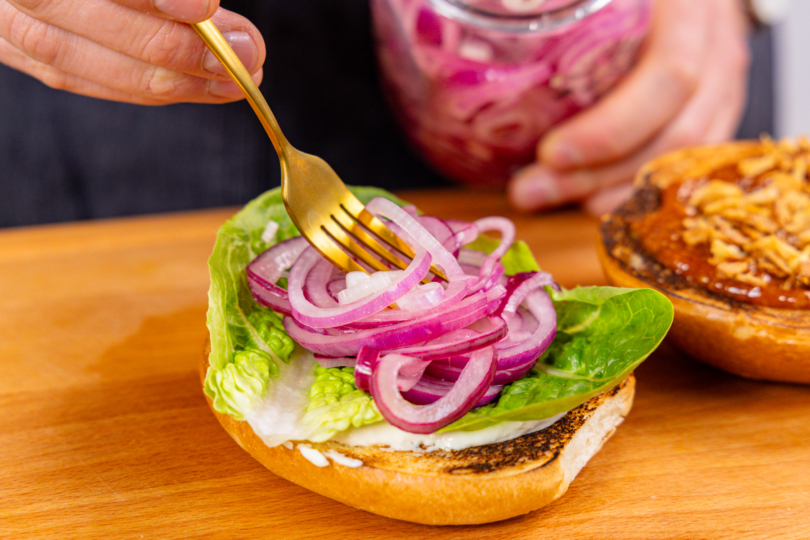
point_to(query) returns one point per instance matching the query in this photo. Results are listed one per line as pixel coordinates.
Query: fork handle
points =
(212, 37)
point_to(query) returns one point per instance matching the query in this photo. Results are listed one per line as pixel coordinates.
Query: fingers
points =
(665, 78)
(149, 59)
(13, 58)
(169, 44)
(538, 186)
(616, 185)
(126, 79)
(710, 116)
(188, 11)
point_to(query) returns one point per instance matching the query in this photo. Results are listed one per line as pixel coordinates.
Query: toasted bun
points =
(748, 340)
(477, 485)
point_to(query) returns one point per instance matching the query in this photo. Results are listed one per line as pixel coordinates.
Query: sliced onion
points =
(456, 290)
(453, 345)
(422, 297)
(518, 287)
(490, 330)
(309, 314)
(367, 359)
(409, 375)
(495, 296)
(391, 337)
(451, 373)
(270, 295)
(316, 284)
(463, 233)
(540, 306)
(371, 284)
(470, 387)
(507, 230)
(440, 230)
(271, 265)
(429, 390)
(266, 269)
(418, 235)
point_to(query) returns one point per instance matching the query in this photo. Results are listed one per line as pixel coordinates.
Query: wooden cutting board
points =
(104, 432)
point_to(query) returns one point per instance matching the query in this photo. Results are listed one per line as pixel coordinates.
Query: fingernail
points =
(533, 189)
(242, 45)
(562, 155)
(183, 10)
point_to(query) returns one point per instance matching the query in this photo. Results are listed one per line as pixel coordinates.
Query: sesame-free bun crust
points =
(751, 341)
(477, 485)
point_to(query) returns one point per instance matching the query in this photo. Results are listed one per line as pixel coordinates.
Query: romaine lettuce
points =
(335, 404)
(603, 334)
(235, 321)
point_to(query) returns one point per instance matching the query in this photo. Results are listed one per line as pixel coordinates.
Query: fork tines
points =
(351, 228)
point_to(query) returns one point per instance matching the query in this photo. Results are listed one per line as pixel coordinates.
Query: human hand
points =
(688, 88)
(138, 51)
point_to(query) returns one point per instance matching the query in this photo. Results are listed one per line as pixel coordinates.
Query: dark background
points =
(65, 157)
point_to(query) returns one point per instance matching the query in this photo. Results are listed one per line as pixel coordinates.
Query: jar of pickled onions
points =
(476, 83)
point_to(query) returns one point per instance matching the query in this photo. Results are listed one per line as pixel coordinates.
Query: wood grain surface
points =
(104, 432)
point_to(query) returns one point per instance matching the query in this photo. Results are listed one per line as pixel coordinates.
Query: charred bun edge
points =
(751, 341)
(477, 485)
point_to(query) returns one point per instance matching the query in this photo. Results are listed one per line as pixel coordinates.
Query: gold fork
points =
(326, 213)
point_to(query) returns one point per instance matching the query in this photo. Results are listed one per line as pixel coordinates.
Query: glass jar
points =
(476, 83)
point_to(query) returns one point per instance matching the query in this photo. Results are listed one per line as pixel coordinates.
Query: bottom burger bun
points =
(477, 485)
(752, 341)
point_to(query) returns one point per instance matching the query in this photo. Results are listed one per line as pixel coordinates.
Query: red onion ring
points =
(316, 284)
(456, 290)
(418, 235)
(444, 347)
(309, 314)
(539, 304)
(265, 270)
(487, 331)
(429, 390)
(391, 337)
(463, 233)
(507, 230)
(367, 359)
(471, 386)
(437, 227)
(271, 264)
(518, 287)
(451, 373)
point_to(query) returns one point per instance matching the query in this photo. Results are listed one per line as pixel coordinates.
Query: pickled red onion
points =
(471, 386)
(465, 339)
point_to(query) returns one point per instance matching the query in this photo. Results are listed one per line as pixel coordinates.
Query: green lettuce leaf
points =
(518, 259)
(235, 387)
(335, 404)
(235, 321)
(260, 343)
(603, 334)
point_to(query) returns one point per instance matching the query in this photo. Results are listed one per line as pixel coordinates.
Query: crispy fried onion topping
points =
(759, 235)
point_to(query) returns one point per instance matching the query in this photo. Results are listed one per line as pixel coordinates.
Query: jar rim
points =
(547, 21)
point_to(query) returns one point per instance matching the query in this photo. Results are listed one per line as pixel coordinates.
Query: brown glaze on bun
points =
(735, 325)
(481, 484)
